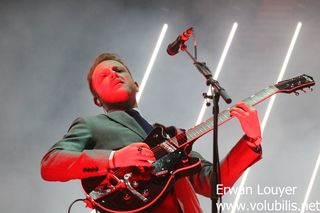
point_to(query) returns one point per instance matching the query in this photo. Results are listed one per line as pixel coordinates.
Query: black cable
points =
(74, 203)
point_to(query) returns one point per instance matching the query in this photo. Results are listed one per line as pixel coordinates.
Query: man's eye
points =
(117, 69)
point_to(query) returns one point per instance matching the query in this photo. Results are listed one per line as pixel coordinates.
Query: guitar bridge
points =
(132, 190)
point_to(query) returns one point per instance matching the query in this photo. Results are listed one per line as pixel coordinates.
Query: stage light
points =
(151, 62)
(313, 177)
(267, 113)
(219, 67)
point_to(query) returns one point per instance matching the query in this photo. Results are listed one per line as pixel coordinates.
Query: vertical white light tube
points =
(219, 67)
(282, 71)
(151, 62)
(266, 115)
(313, 177)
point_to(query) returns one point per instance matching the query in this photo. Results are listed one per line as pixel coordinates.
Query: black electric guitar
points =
(133, 189)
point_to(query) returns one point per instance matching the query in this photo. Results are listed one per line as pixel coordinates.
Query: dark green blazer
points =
(84, 151)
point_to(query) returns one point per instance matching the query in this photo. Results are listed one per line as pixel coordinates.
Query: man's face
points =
(114, 85)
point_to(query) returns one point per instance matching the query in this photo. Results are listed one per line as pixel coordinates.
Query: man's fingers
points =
(140, 144)
(143, 163)
(147, 152)
(144, 154)
(146, 161)
(237, 115)
(240, 112)
(142, 149)
(243, 106)
(149, 159)
(145, 157)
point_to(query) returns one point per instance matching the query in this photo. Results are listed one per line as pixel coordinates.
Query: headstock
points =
(294, 84)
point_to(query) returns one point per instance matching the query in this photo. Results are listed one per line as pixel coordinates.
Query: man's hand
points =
(136, 154)
(249, 121)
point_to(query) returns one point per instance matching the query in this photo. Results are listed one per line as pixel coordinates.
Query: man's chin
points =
(117, 96)
(119, 106)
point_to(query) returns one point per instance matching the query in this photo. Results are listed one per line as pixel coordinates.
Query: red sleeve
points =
(64, 165)
(232, 167)
(73, 157)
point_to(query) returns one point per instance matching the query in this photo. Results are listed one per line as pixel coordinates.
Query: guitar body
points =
(113, 192)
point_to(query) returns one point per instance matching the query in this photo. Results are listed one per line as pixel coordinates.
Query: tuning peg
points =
(303, 90)
(296, 93)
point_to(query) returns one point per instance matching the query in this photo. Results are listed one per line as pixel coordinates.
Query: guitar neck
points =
(206, 126)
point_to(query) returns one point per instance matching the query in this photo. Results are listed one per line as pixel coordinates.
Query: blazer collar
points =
(126, 120)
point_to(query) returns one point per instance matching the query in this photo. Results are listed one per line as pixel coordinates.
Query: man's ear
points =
(137, 86)
(97, 101)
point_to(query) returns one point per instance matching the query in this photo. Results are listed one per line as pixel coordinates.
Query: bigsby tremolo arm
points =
(135, 192)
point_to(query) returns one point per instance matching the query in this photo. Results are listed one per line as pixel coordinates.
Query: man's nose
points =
(114, 74)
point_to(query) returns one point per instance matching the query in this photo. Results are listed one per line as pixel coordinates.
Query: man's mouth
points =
(117, 81)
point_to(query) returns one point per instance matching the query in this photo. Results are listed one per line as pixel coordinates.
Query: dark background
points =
(47, 47)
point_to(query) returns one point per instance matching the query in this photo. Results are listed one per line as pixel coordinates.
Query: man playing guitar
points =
(97, 146)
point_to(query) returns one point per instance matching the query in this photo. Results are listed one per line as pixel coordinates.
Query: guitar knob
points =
(127, 197)
(145, 192)
(135, 184)
(184, 160)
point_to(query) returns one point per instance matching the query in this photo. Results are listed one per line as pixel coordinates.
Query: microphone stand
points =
(217, 91)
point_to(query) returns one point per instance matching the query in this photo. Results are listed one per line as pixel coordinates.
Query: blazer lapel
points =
(126, 120)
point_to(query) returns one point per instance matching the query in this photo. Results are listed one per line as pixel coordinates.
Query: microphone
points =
(174, 47)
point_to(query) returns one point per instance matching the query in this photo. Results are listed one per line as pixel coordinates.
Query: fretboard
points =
(206, 126)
